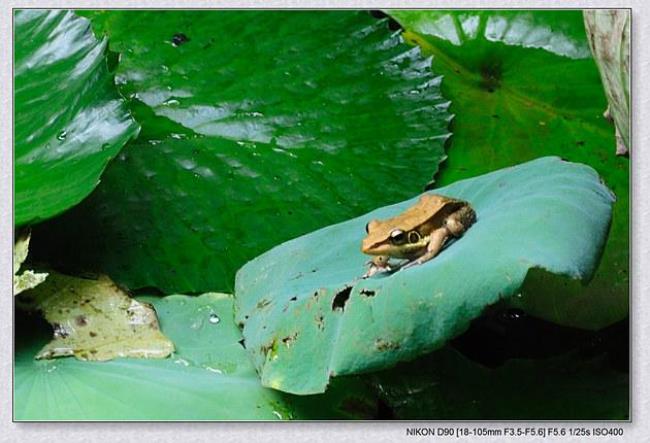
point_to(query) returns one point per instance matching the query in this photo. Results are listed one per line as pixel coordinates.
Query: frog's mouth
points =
(411, 250)
(369, 248)
(406, 250)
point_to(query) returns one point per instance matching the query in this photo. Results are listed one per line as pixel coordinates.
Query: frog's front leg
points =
(379, 263)
(437, 239)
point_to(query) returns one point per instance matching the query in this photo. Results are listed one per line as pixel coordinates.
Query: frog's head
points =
(384, 238)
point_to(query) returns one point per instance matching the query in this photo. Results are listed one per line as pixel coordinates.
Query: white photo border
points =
(224, 432)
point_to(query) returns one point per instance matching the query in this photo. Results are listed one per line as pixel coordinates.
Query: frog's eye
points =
(414, 237)
(397, 237)
(367, 226)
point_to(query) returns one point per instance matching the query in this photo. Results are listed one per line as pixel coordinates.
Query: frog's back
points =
(425, 210)
(430, 209)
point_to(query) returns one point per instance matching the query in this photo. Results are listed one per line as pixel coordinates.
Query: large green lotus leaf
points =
(258, 126)
(208, 378)
(69, 119)
(445, 385)
(308, 315)
(523, 85)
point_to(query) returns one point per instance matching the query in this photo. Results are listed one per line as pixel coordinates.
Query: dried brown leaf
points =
(93, 319)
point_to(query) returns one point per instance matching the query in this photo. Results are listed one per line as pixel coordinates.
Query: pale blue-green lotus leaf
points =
(523, 85)
(210, 376)
(308, 315)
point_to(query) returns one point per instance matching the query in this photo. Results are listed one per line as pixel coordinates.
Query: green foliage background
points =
(289, 294)
(524, 84)
(253, 141)
(260, 126)
(69, 119)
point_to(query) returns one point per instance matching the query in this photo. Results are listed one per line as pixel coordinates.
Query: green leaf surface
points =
(308, 315)
(445, 385)
(523, 85)
(208, 378)
(69, 119)
(258, 126)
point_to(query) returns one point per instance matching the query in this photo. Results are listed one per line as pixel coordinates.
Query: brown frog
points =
(417, 234)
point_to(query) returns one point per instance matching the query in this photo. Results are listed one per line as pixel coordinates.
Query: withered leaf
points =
(93, 319)
(608, 31)
(28, 279)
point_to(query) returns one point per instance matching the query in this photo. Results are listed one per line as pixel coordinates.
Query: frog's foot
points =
(378, 264)
(423, 259)
(377, 268)
(412, 263)
(372, 270)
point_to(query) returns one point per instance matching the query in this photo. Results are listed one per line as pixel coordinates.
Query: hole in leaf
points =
(341, 298)
(367, 292)
(288, 340)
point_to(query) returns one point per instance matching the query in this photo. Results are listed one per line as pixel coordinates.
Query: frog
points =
(418, 234)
